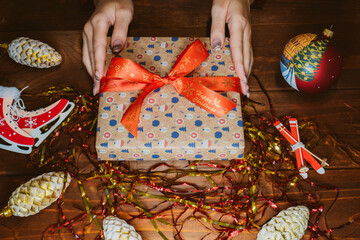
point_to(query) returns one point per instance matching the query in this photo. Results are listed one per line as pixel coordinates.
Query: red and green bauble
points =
(310, 63)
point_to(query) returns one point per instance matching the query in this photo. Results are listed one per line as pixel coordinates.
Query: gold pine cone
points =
(36, 194)
(116, 228)
(33, 53)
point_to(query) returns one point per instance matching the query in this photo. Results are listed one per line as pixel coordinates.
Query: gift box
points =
(169, 125)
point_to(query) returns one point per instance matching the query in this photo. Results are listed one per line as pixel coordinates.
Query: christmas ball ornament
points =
(36, 194)
(118, 229)
(32, 53)
(310, 63)
(289, 224)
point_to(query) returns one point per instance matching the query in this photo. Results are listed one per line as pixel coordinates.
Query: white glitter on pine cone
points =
(33, 53)
(118, 229)
(38, 193)
(289, 224)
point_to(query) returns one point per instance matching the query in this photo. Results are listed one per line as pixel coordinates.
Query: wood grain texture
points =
(59, 23)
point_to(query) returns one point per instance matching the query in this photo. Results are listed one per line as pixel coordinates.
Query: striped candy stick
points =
(298, 147)
(309, 156)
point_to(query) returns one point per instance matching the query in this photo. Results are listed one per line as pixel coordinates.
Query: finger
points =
(236, 45)
(247, 51)
(123, 18)
(85, 55)
(99, 40)
(218, 15)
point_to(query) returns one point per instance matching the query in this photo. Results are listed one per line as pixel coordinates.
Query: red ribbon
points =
(126, 75)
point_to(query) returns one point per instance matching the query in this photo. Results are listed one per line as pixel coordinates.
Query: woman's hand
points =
(236, 13)
(117, 13)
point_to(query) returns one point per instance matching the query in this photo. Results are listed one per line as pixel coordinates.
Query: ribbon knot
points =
(126, 75)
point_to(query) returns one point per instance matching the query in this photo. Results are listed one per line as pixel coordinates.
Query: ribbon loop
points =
(126, 75)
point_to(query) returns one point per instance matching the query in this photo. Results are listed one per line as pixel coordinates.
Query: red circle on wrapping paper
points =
(234, 100)
(152, 39)
(150, 135)
(107, 135)
(222, 121)
(179, 155)
(139, 56)
(179, 121)
(191, 39)
(109, 99)
(218, 56)
(231, 68)
(127, 44)
(194, 135)
(237, 135)
(151, 100)
(152, 68)
(136, 155)
(227, 39)
(222, 155)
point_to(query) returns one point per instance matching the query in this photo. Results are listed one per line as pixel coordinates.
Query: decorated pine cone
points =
(36, 194)
(289, 224)
(118, 229)
(33, 53)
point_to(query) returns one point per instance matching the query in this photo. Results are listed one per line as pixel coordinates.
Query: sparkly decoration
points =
(311, 63)
(36, 194)
(32, 53)
(288, 224)
(115, 229)
(180, 202)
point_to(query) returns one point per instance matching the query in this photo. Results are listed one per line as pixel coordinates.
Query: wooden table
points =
(59, 23)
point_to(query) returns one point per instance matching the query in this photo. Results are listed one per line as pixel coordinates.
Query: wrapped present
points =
(170, 98)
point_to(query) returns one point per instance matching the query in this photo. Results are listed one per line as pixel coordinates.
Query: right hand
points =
(117, 13)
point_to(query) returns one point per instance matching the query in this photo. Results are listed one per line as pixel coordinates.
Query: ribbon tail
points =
(202, 96)
(130, 118)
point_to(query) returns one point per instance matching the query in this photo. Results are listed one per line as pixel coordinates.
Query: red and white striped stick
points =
(298, 147)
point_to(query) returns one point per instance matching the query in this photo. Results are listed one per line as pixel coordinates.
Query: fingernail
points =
(216, 44)
(245, 79)
(97, 76)
(116, 46)
(248, 92)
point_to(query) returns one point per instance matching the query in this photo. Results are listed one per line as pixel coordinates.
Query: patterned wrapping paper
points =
(170, 126)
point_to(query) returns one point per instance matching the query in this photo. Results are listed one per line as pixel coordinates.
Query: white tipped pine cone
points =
(33, 53)
(36, 194)
(118, 229)
(289, 224)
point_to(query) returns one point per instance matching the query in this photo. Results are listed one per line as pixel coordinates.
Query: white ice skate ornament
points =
(20, 130)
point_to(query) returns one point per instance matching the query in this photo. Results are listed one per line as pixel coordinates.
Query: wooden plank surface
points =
(59, 23)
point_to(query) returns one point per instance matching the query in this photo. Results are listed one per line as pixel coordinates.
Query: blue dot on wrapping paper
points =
(155, 156)
(130, 135)
(218, 134)
(198, 123)
(214, 68)
(241, 156)
(157, 90)
(240, 123)
(136, 38)
(112, 122)
(174, 39)
(174, 134)
(157, 58)
(174, 100)
(198, 156)
(156, 123)
(132, 99)
(112, 155)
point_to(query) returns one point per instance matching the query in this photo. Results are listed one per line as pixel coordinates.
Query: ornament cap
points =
(328, 33)
(6, 212)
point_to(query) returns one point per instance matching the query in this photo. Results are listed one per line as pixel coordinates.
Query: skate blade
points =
(39, 136)
(9, 145)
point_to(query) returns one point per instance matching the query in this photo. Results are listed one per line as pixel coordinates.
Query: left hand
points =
(236, 13)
